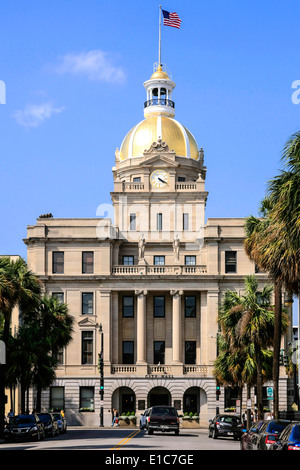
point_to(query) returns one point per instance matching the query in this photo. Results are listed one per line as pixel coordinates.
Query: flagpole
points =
(159, 41)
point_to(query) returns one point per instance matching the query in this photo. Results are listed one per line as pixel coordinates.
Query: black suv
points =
(162, 418)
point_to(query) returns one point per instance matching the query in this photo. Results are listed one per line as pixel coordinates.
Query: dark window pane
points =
(159, 352)
(128, 352)
(128, 306)
(230, 261)
(59, 296)
(87, 262)
(128, 260)
(190, 260)
(58, 262)
(190, 306)
(190, 352)
(159, 306)
(87, 303)
(87, 347)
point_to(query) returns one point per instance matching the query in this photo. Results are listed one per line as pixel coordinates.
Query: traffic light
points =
(218, 391)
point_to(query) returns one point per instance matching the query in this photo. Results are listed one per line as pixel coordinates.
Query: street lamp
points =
(101, 377)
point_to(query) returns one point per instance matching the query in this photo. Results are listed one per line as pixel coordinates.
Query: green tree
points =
(18, 286)
(246, 322)
(273, 241)
(50, 327)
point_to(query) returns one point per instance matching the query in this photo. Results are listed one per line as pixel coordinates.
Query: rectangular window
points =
(128, 306)
(128, 260)
(132, 219)
(159, 260)
(87, 262)
(87, 347)
(137, 179)
(128, 352)
(59, 356)
(59, 296)
(190, 306)
(185, 221)
(58, 262)
(190, 260)
(230, 262)
(159, 221)
(159, 306)
(87, 303)
(190, 352)
(57, 398)
(86, 402)
(181, 178)
(159, 352)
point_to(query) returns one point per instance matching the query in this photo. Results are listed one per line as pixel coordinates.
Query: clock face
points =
(159, 179)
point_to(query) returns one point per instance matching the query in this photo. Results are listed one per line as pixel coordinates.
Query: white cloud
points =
(35, 114)
(96, 65)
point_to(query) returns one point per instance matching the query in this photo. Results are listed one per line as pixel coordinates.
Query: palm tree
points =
(51, 328)
(249, 321)
(274, 241)
(18, 285)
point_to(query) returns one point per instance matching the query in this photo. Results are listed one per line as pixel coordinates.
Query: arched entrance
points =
(159, 396)
(123, 399)
(195, 401)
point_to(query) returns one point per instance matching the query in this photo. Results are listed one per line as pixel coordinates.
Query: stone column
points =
(176, 326)
(141, 327)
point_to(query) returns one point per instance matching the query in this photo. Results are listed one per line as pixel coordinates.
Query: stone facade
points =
(152, 274)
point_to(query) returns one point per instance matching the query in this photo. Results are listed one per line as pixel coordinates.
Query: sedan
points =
(61, 421)
(289, 439)
(247, 437)
(268, 433)
(225, 425)
(24, 427)
(50, 424)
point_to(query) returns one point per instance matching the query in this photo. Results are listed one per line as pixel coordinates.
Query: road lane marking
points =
(126, 440)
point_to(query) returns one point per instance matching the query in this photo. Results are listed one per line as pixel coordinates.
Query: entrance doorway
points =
(159, 396)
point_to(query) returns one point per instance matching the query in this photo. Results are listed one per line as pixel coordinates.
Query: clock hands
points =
(162, 180)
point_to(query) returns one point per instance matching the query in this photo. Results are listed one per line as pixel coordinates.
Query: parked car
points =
(143, 420)
(61, 421)
(268, 433)
(24, 427)
(246, 438)
(289, 439)
(162, 418)
(225, 425)
(50, 424)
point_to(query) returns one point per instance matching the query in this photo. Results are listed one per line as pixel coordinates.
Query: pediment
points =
(159, 156)
(88, 322)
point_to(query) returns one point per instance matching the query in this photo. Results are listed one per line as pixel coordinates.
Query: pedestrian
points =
(115, 419)
(10, 415)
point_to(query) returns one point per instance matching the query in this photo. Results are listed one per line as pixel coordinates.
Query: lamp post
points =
(101, 377)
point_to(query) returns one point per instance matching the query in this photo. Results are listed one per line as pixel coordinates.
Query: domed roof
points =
(142, 136)
(159, 74)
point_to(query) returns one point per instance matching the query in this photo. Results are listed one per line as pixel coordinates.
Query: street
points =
(119, 439)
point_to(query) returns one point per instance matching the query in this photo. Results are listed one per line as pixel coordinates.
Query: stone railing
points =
(152, 370)
(159, 270)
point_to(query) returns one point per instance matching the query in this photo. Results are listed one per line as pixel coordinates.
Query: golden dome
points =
(142, 136)
(159, 74)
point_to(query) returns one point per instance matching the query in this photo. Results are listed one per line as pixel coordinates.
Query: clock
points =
(159, 179)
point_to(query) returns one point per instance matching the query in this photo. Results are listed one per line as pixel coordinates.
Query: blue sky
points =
(74, 74)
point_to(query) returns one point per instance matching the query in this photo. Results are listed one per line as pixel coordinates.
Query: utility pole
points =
(100, 363)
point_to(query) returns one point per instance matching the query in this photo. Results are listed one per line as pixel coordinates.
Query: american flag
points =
(171, 19)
